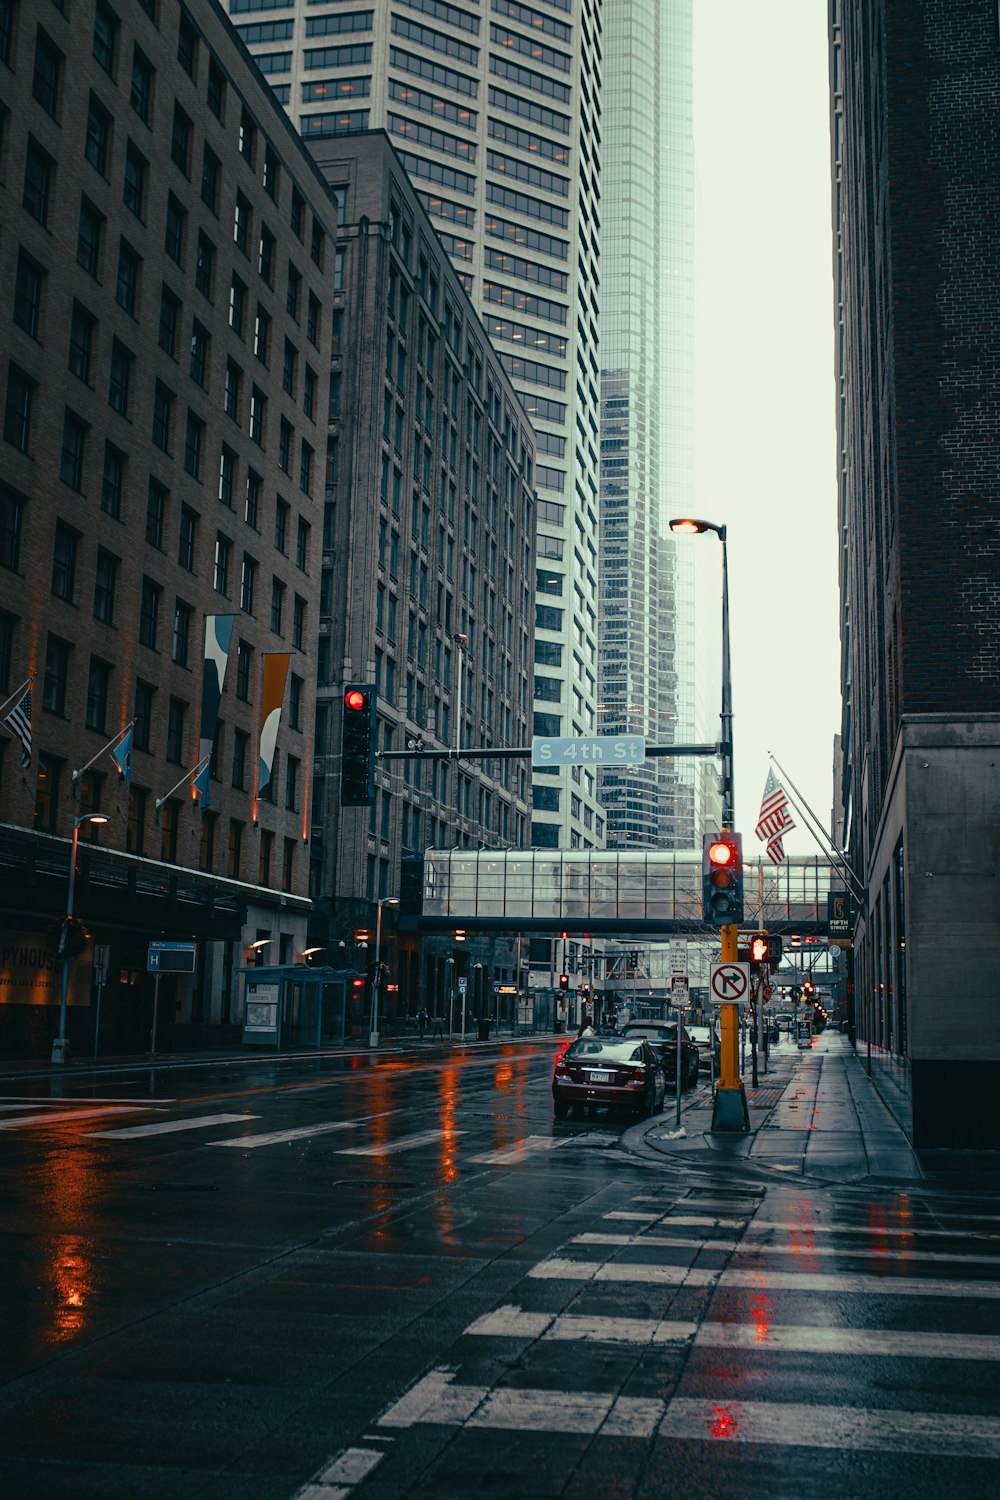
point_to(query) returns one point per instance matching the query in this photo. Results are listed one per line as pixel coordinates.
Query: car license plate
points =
(598, 1077)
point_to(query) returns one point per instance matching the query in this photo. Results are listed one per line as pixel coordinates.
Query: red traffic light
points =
(355, 700)
(564, 981)
(720, 853)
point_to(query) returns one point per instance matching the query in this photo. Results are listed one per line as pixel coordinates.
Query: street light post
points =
(377, 976)
(730, 1107)
(59, 1042)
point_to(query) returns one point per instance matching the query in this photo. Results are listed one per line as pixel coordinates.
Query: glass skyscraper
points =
(647, 657)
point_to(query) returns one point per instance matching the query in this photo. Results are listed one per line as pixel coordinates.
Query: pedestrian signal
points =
(765, 949)
(722, 879)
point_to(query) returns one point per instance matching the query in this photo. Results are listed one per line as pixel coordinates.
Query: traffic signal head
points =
(722, 879)
(808, 988)
(357, 764)
(564, 982)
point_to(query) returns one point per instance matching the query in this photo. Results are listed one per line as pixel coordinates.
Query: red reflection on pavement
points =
(724, 1424)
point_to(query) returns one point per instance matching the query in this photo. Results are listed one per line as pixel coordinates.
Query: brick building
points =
(167, 257)
(915, 87)
(427, 568)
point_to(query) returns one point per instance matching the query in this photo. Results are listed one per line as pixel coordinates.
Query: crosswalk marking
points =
(842, 1427)
(514, 1322)
(765, 1279)
(278, 1137)
(530, 1144)
(884, 1255)
(165, 1127)
(57, 1117)
(876, 1232)
(403, 1143)
(337, 1478)
(435, 1399)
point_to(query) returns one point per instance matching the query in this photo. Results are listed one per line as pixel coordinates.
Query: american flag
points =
(774, 818)
(19, 720)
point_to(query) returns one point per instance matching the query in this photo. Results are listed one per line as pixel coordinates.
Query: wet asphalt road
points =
(338, 1277)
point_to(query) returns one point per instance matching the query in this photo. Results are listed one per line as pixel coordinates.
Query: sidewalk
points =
(816, 1114)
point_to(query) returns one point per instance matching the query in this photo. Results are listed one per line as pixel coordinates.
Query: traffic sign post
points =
(167, 958)
(729, 985)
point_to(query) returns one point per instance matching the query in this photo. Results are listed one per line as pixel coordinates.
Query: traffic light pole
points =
(729, 1108)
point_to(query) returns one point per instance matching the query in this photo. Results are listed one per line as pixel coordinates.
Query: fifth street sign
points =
(620, 750)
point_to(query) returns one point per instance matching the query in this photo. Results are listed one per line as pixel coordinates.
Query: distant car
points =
(709, 1045)
(663, 1036)
(609, 1071)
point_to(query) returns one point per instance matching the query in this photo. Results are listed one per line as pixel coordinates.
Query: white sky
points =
(766, 387)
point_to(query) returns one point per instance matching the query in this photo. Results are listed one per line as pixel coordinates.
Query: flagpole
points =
(112, 744)
(840, 859)
(188, 776)
(8, 701)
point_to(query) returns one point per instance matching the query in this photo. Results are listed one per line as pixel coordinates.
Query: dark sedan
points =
(662, 1036)
(610, 1071)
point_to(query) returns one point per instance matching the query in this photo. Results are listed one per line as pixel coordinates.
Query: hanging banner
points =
(218, 636)
(271, 698)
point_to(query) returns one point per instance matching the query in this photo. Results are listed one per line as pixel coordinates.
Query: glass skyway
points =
(603, 891)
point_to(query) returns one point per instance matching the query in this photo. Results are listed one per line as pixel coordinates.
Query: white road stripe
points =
(886, 1255)
(405, 1143)
(436, 1400)
(166, 1127)
(336, 1480)
(58, 1116)
(872, 1232)
(844, 1427)
(278, 1137)
(513, 1322)
(849, 1283)
(13, 1100)
(531, 1143)
(807, 1339)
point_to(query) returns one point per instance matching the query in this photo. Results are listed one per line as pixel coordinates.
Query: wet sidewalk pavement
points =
(816, 1113)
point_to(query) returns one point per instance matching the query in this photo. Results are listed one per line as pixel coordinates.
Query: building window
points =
(264, 862)
(112, 481)
(170, 309)
(182, 632)
(135, 831)
(45, 80)
(244, 658)
(252, 505)
(81, 343)
(299, 623)
(187, 533)
(156, 509)
(134, 185)
(88, 238)
(47, 794)
(216, 89)
(56, 675)
(149, 613)
(266, 256)
(302, 544)
(176, 714)
(281, 512)
(237, 306)
(64, 562)
(105, 580)
(173, 239)
(204, 266)
(241, 741)
(262, 336)
(222, 553)
(38, 173)
(231, 394)
(242, 224)
(127, 284)
(291, 784)
(227, 476)
(142, 710)
(235, 851)
(18, 409)
(194, 436)
(98, 680)
(187, 45)
(105, 37)
(258, 409)
(247, 584)
(294, 702)
(277, 605)
(120, 378)
(71, 459)
(98, 137)
(163, 406)
(141, 92)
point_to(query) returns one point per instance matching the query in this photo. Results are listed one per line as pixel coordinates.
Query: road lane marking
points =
(340, 1475)
(18, 1101)
(58, 1116)
(531, 1143)
(809, 1339)
(847, 1283)
(165, 1127)
(661, 1241)
(514, 1322)
(436, 1400)
(278, 1137)
(873, 1232)
(557, 1269)
(405, 1143)
(742, 1248)
(844, 1427)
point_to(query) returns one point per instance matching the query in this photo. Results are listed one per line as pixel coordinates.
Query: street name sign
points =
(615, 750)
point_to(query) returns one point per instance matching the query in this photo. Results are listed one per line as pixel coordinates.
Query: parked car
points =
(709, 1045)
(663, 1036)
(608, 1071)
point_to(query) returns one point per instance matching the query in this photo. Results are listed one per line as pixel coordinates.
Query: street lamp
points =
(377, 976)
(59, 1042)
(687, 526)
(308, 952)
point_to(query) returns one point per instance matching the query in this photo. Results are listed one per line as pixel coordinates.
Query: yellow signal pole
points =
(729, 1110)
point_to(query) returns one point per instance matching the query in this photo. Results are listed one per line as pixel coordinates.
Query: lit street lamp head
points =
(689, 526)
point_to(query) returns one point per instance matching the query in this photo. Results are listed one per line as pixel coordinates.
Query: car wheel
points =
(561, 1108)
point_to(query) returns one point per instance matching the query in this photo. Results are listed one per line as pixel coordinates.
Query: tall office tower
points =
(168, 254)
(646, 632)
(916, 220)
(495, 109)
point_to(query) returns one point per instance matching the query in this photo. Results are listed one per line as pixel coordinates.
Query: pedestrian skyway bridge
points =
(608, 891)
